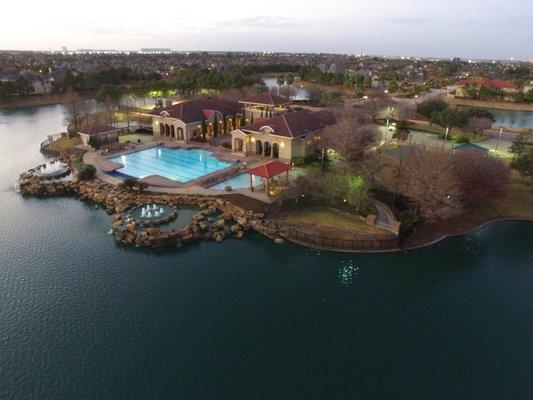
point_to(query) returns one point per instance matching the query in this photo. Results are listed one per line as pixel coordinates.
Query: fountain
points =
(53, 169)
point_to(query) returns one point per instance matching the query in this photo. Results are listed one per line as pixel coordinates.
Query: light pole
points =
(499, 137)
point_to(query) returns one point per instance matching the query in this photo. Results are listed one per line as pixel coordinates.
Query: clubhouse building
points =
(286, 136)
(262, 125)
(199, 120)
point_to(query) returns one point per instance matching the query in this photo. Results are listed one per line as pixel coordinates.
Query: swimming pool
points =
(176, 164)
(241, 181)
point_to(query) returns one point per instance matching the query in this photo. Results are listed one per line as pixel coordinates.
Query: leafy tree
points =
(518, 147)
(523, 163)
(428, 107)
(215, 125)
(289, 79)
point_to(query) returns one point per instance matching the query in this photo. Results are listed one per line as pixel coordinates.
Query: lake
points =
(513, 119)
(301, 92)
(84, 317)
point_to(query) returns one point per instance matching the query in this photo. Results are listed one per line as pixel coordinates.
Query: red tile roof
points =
(192, 111)
(493, 83)
(294, 124)
(270, 169)
(97, 129)
(266, 98)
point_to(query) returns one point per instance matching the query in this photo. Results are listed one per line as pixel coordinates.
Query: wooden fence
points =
(343, 244)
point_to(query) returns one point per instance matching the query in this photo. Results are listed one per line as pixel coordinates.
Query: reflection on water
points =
(301, 92)
(347, 272)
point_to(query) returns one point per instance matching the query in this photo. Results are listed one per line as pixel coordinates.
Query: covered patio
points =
(268, 171)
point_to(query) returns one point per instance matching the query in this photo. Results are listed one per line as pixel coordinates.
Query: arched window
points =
(179, 132)
(167, 130)
(258, 148)
(172, 132)
(268, 149)
(161, 129)
(275, 150)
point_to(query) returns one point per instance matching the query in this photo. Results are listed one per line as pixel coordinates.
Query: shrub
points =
(94, 142)
(298, 161)
(226, 145)
(128, 183)
(460, 139)
(86, 172)
(408, 218)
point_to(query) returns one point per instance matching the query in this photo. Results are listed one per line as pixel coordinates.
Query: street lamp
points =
(499, 137)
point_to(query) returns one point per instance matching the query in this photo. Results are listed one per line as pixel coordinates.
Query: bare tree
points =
(480, 176)
(352, 136)
(428, 180)
(377, 101)
(285, 91)
(477, 125)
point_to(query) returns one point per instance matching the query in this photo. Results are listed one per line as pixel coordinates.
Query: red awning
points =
(270, 169)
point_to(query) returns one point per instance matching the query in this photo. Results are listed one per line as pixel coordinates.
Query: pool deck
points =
(160, 184)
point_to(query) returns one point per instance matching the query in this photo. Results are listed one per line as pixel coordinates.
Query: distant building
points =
(501, 84)
(156, 51)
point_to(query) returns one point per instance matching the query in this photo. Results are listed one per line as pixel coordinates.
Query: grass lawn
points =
(327, 218)
(66, 143)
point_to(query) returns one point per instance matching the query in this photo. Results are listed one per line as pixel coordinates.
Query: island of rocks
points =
(217, 219)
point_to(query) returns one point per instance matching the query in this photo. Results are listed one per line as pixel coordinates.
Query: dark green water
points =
(83, 318)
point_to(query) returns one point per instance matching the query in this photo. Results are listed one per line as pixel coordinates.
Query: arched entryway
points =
(161, 129)
(275, 150)
(167, 130)
(172, 131)
(179, 132)
(258, 148)
(268, 149)
(238, 144)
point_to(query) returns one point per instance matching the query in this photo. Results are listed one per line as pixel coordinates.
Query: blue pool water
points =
(241, 181)
(176, 164)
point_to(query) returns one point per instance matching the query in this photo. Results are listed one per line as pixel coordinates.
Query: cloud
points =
(261, 22)
(504, 22)
(415, 21)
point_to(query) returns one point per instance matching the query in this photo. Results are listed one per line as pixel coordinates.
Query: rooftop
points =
(266, 98)
(270, 169)
(294, 124)
(192, 111)
(97, 129)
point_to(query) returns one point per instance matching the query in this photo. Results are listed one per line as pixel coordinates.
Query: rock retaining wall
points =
(217, 219)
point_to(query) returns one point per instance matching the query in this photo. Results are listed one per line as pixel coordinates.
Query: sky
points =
(477, 29)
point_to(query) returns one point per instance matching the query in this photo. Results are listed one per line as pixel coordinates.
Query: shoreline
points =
(249, 219)
(432, 242)
(521, 107)
(47, 100)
